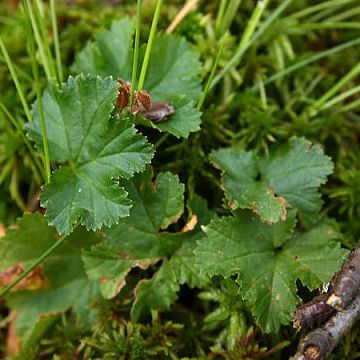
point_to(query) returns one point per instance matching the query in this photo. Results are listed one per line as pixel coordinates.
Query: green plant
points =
(137, 218)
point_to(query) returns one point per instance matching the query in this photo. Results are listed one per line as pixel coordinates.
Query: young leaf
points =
(99, 148)
(137, 240)
(290, 177)
(66, 285)
(267, 274)
(173, 72)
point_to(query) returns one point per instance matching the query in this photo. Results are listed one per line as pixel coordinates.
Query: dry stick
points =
(314, 313)
(318, 344)
(347, 282)
(181, 15)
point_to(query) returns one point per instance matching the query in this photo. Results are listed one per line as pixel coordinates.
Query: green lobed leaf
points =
(66, 284)
(137, 240)
(99, 149)
(172, 75)
(110, 54)
(289, 178)
(245, 246)
(157, 293)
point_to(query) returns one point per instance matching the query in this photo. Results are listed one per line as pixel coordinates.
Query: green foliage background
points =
(262, 126)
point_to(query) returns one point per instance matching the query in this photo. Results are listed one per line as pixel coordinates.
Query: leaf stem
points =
(38, 261)
(212, 73)
(136, 50)
(248, 39)
(15, 79)
(149, 44)
(55, 31)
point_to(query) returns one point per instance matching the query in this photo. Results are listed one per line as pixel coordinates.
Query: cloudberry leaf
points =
(65, 283)
(290, 177)
(172, 76)
(95, 149)
(267, 273)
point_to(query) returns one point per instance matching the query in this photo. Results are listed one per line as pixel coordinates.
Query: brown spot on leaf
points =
(34, 280)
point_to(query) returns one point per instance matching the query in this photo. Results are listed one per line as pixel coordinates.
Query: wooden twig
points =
(318, 344)
(347, 282)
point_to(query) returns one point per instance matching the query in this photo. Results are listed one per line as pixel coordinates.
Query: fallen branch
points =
(314, 313)
(318, 344)
(347, 282)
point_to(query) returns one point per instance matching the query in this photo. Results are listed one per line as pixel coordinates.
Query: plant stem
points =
(332, 91)
(244, 46)
(60, 76)
(149, 44)
(136, 50)
(38, 261)
(16, 81)
(310, 60)
(212, 73)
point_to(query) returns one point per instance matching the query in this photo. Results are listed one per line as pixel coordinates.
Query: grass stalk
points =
(321, 6)
(310, 60)
(228, 16)
(45, 61)
(253, 22)
(37, 262)
(136, 50)
(340, 97)
(351, 106)
(212, 74)
(55, 31)
(345, 15)
(42, 26)
(15, 79)
(24, 138)
(152, 33)
(35, 70)
(220, 15)
(334, 89)
(330, 25)
(242, 49)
